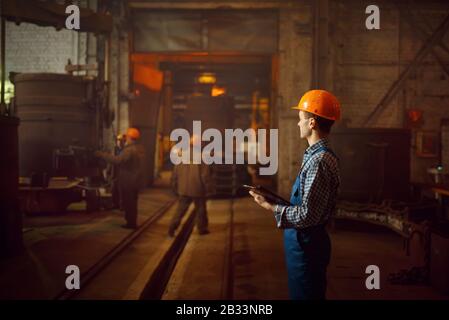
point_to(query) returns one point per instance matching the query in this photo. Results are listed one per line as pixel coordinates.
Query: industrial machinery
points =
(382, 154)
(10, 221)
(60, 124)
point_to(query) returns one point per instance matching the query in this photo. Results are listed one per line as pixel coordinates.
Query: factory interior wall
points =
(118, 75)
(361, 67)
(295, 78)
(31, 48)
(367, 63)
(364, 65)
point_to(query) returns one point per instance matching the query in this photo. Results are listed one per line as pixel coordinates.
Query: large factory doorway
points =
(144, 109)
(223, 91)
(218, 66)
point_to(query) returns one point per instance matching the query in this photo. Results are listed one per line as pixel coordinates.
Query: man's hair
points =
(324, 124)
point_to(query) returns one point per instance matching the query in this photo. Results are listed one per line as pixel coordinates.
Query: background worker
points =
(129, 163)
(120, 142)
(191, 182)
(313, 198)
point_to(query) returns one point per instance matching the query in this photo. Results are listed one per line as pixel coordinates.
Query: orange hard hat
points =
(321, 103)
(133, 133)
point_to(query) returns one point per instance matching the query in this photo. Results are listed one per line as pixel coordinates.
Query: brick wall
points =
(31, 48)
(368, 62)
(364, 65)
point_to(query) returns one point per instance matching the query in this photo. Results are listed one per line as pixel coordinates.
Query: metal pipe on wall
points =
(106, 58)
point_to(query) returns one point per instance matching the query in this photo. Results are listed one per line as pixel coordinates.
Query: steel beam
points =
(422, 53)
(423, 36)
(423, 19)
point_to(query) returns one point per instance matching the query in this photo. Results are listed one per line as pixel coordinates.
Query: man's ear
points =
(312, 123)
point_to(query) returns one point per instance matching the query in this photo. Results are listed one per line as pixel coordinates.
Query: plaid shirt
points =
(320, 180)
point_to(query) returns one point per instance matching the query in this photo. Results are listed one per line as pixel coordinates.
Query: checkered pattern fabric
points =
(320, 180)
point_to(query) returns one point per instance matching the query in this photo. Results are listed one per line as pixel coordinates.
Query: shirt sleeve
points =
(317, 190)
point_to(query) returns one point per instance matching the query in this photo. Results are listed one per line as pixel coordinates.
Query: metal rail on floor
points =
(157, 284)
(91, 273)
(228, 275)
(155, 287)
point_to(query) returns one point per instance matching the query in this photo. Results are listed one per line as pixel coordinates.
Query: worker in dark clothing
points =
(129, 163)
(191, 182)
(119, 145)
(313, 200)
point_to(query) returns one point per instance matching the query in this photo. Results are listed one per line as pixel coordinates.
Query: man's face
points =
(128, 140)
(119, 142)
(305, 125)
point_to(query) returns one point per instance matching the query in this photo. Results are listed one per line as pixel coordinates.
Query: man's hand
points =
(261, 201)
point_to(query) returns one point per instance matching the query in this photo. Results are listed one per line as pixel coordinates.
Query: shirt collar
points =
(323, 142)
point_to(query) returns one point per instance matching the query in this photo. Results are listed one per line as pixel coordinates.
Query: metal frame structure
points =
(434, 39)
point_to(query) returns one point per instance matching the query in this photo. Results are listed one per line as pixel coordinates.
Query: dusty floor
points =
(257, 264)
(72, 238)
(356, 246)
(258, 260)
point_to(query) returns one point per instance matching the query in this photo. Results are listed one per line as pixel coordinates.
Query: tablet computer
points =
(268, 195)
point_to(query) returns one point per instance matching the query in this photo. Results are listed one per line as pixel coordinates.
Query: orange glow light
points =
(414, 115)
(147, 76)
(207, 78)
(218, 91)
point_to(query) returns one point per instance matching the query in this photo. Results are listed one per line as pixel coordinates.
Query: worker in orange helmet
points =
(312, 201)
(192, 183)
(129, 162)
(120, 141)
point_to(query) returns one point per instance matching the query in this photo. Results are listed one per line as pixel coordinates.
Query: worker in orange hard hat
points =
(133, 133)
(192, 183)
(312, 201)
(129, 162)
(120, 141)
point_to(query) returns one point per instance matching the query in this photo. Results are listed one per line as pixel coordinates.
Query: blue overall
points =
(307, 253)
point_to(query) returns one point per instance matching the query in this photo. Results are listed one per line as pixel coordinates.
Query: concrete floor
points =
(127, 276)
(356, 246)
(200, 270)
(258, 260)
(71, 238)
(257, 263)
